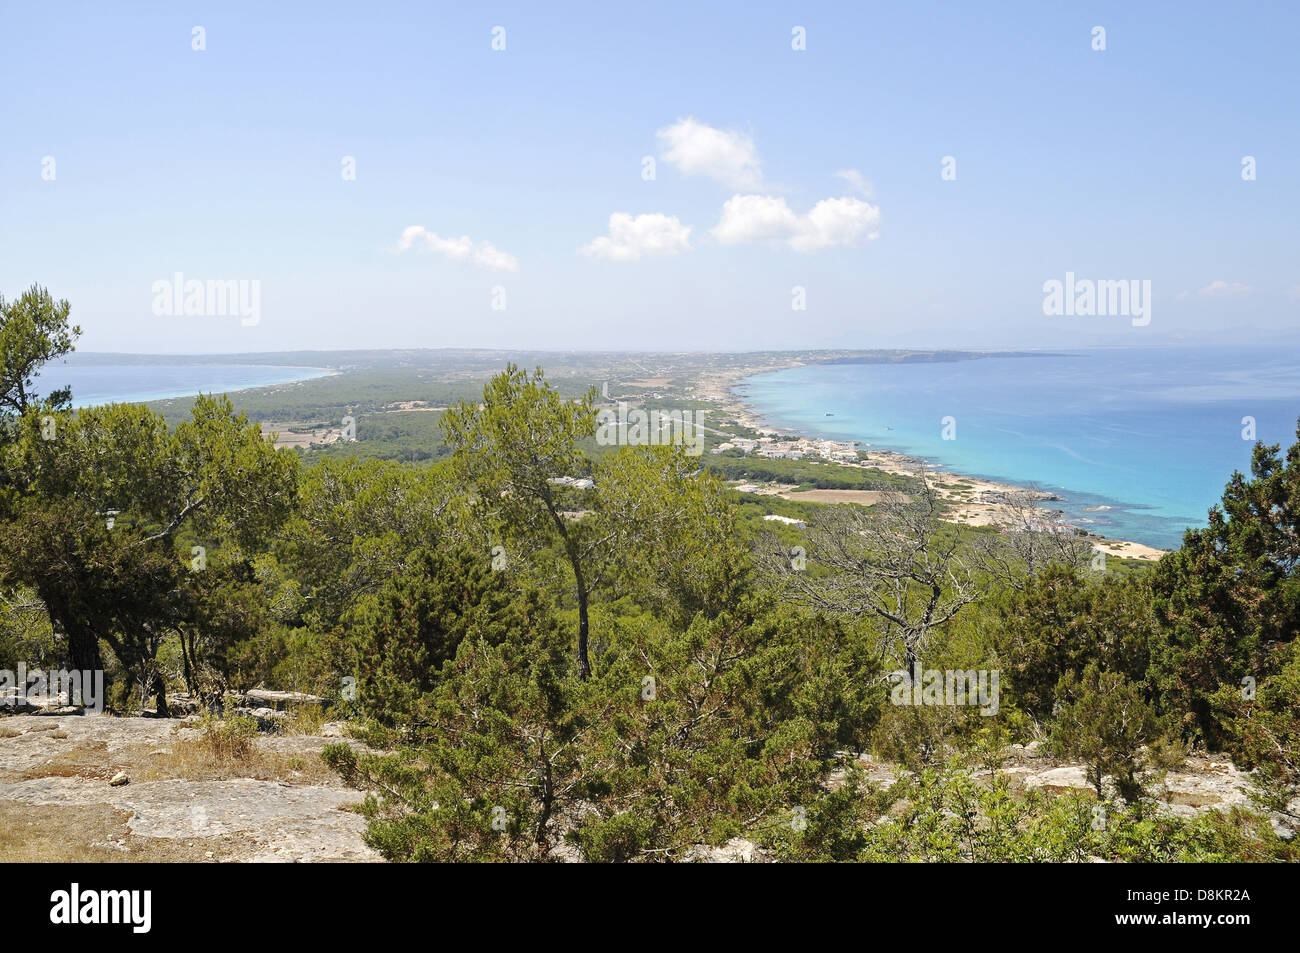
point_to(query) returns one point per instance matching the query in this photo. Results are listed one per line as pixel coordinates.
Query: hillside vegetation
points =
(639, 667)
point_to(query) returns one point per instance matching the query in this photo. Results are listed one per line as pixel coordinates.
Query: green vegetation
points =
(806, 475)
(406, 437)
(562, 650)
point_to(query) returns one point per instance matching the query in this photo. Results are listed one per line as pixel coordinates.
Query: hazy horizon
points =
(1157, 346)
(405, 177)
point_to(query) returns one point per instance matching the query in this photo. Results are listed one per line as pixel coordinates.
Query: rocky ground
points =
(96, 787)
(1203, 782)
(102, 788)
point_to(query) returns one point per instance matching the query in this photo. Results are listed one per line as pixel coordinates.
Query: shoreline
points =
(974, 500)
(146, 399)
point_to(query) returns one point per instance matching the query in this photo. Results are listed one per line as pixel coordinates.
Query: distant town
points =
(795, 448)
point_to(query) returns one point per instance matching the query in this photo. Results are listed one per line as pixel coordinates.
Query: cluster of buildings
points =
(792, 448)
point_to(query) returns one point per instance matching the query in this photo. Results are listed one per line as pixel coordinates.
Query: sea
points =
(104, 383)
(1139, 442)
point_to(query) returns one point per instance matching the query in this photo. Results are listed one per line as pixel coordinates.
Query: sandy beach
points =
(973, 500)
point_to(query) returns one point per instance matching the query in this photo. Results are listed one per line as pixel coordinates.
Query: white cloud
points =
(832, 222)
(484, 254)
(1293, 292)
(857, 182)
(1224, 288)
(629, 238)
(697, 149)
(748, 218)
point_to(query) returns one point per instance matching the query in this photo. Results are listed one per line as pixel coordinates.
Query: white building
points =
(787, 520)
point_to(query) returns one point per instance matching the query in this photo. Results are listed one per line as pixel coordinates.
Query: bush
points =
(1104, 722)
(228, 739)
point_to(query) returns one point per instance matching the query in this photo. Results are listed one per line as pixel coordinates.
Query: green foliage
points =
(721, 730)
(807, 475)
(1263, 732)
(699, 707)
(678, 548)
(405, 437)
(226, 610)
(727, 729)
(93, 512)
(1104, 722)
(355, 526)
(1059, 623)
(522, 436)
(26, 634)
(512, 449)
(1230, 593)
(949, 815)
(34, 330)
(415, 624)
(501, 729)
(916, 735)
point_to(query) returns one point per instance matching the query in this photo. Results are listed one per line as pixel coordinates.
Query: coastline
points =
(190, 394)
(974, 500)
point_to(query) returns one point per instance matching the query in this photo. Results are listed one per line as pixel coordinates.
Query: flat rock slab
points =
(274, 699)
(236, 818)
(277, 822)
(1203, 783)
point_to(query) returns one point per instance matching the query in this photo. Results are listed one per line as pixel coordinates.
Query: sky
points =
(658, 176)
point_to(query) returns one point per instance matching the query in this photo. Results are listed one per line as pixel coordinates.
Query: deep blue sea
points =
(1152, 433)
(94, 384)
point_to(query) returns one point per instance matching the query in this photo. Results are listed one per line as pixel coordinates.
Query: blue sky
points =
(225, 163)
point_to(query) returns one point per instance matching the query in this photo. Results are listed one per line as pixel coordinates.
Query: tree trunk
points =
(584, 665)
(580, 584)
(189, 670)
(571, 550)
(83, 649)
(160, 689)
(548, 800)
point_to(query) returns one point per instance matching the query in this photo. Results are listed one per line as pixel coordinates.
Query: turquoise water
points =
(1154, 434)
(94, 384)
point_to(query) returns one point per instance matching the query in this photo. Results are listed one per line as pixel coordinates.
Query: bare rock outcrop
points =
(68, 769)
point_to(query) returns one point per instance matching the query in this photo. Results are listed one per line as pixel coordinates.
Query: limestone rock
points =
(735, 851)
(266, 698)
(60, 710)
(268, 719)
(233, 818)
